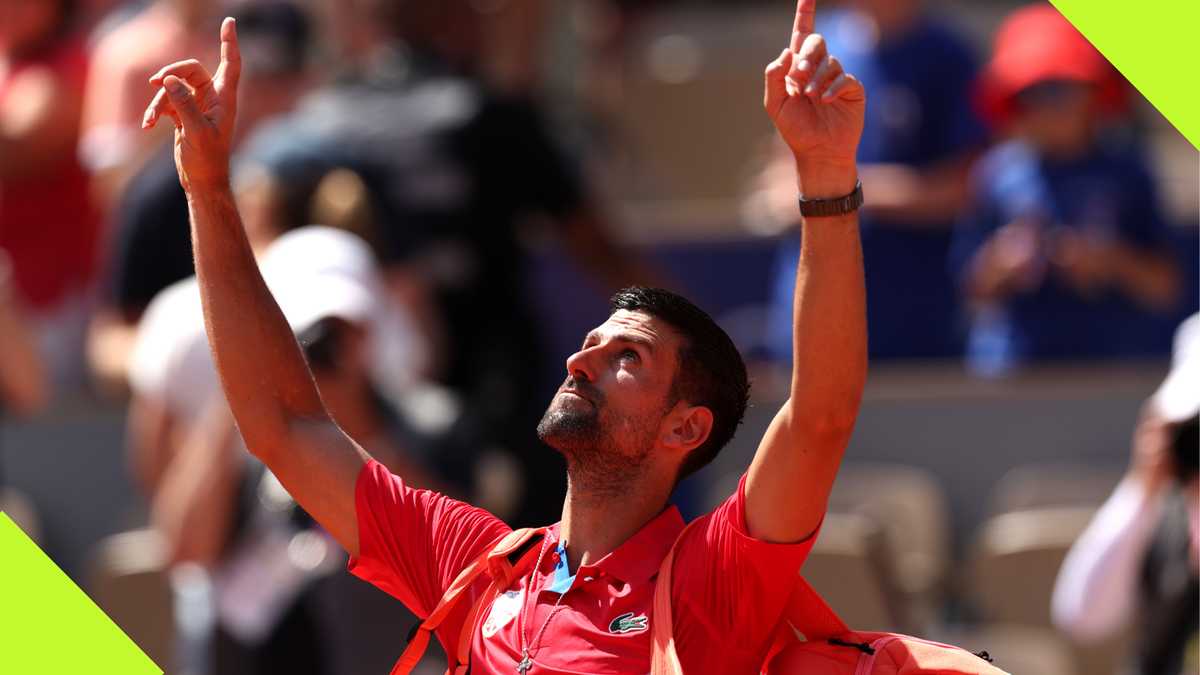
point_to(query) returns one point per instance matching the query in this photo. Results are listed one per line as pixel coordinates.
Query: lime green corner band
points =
(1154, 45)
(48, 625)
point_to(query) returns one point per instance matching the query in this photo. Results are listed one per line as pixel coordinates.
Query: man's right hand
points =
(204, 109)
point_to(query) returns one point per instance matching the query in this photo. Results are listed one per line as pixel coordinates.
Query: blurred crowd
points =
(395, 160)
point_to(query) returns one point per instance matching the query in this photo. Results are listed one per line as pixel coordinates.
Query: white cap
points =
(318, 272)
(1178, 397)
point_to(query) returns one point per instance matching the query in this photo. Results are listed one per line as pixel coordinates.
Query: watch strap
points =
(816, 208)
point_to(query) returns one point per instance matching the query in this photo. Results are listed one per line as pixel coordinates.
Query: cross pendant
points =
(526, 663)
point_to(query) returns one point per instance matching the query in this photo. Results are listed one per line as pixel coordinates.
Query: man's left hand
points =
(817, 108)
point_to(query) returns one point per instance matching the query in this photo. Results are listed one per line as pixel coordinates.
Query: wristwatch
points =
(815, 208)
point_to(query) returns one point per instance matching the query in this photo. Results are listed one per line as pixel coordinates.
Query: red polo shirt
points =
(729, 589)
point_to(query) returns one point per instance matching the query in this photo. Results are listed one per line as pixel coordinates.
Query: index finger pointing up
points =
(806, 11)
(231, 57)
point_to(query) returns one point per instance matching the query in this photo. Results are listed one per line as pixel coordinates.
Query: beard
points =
(603, 456)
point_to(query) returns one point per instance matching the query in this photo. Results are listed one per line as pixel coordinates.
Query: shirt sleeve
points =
(972, 230)
(152, 243)
(729, 588)
(1141, 219)
(961, 126)
(1096, 590)
(413, 543)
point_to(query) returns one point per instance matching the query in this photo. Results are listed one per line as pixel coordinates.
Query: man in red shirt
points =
(651, 395)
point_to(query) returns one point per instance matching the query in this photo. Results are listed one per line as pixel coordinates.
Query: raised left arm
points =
(818, 109)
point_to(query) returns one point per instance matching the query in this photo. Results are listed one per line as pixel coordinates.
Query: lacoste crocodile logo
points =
(628, 623)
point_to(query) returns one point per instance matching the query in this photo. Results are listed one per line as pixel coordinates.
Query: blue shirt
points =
(1108, 191)
(918, 113)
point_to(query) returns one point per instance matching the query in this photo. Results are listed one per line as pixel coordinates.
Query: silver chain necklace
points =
(526, 659)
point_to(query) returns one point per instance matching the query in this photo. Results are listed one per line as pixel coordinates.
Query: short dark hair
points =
(710, 371)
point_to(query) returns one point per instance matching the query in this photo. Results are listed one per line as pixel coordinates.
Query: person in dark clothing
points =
(462, 175)
(1063, 253)
(1138, 562)
(151, 247)
(920, 136)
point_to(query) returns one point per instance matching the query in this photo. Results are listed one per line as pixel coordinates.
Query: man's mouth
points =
(570, 392)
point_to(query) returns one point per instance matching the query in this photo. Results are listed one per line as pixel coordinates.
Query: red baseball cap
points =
(1037, 44)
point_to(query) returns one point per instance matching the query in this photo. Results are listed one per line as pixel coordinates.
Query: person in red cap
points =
(652, 395)
(1064, 253)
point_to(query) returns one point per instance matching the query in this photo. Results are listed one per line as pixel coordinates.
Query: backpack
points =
(810, 639)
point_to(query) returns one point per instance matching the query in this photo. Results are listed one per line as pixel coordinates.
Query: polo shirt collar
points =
(638, 559)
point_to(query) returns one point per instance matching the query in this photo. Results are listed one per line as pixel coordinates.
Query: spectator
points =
(47, 224)
(170, 372)
(111, 144)
(920, 135)
(23, 389)
(152, 243)
(1063, 254)
(23, 386)
(210, 498)
(462, 173)
(1136, 564)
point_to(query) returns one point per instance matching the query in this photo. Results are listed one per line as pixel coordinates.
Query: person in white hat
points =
(1138, 558)
(219, 508)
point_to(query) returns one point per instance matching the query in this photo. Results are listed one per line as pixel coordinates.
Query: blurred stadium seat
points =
(1046, 485)
(1018, 649)
(128, 579)
(1015, 563)
(909, 506)
(20, 508)
(850, 567)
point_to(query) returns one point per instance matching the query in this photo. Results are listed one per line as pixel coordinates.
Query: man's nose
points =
(579, 365)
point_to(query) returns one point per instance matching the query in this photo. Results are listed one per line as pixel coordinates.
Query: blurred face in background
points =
(275, 39)
(890, 16)
(336, 351)
(451, 29)
(260, 200)
(1057, 116)
(24, 24)
(195, 12)
(274, 95)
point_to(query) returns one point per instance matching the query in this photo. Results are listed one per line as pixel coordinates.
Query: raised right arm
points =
(263, 372)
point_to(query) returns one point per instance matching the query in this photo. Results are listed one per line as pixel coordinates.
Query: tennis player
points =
(652, 394)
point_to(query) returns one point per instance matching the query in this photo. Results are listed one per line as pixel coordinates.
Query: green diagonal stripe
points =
(1154, 45)
(48, 626)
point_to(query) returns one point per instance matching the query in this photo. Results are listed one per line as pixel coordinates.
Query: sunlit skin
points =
(1062, 127)
(615, 416)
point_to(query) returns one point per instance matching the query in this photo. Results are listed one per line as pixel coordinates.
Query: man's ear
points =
(688, 427)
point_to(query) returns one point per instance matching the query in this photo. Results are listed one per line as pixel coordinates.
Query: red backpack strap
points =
(511, 558)
(500, 550)
(664, 660)
(806, 617)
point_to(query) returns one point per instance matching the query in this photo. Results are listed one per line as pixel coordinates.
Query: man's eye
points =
(630, 354)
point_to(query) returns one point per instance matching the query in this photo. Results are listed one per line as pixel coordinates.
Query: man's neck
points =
(594, 525)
